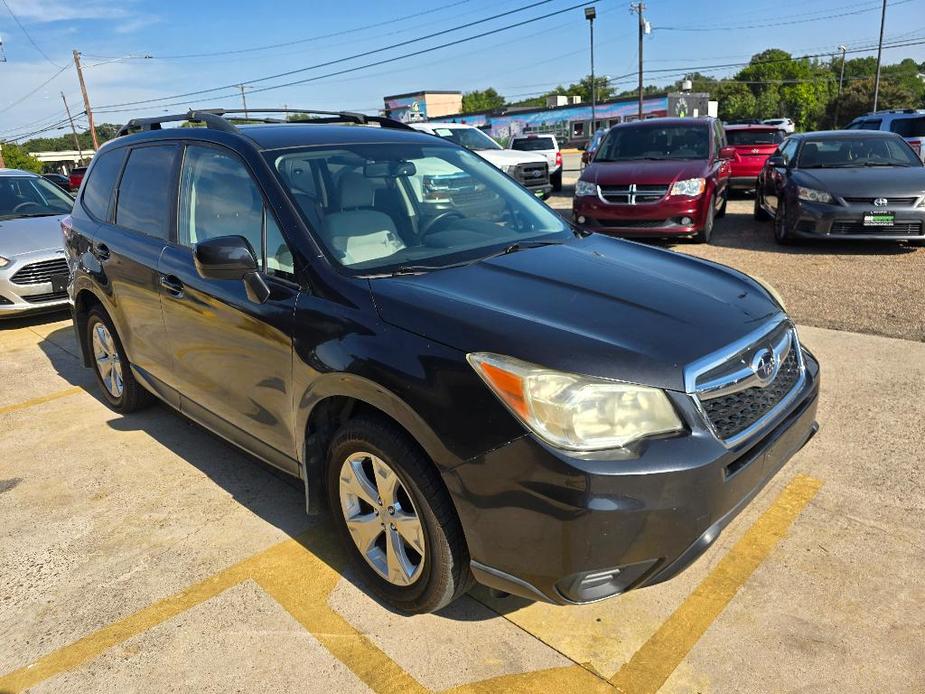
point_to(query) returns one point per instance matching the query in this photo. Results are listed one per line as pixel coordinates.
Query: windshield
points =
(652, 142)
(851, 153)
(533, 144)
(470, 138)
(754, 137)
(31, 196)
(385, 208)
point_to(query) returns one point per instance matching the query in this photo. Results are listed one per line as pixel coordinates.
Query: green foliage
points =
(581, 88)
(482, 100)
(16, 157)
(63, 143)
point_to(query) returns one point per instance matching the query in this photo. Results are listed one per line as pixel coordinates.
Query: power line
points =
(802, 20)
(28, 35)
(38, 88)
(367, 53)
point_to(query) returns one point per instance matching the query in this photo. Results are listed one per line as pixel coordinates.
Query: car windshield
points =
(31, 196)
(400, 208)
(654, 142)
(470, 138)
(754, 137)
(533, 144)
(856, 152)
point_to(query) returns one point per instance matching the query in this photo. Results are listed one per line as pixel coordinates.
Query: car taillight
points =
(916, 145)
(558, 158)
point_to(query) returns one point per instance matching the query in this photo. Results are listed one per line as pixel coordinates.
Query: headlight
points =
(813, 195)
(575, 412)
(770, 289)
(508, 168)
(4, 261)
(585, 188)
(691, 187)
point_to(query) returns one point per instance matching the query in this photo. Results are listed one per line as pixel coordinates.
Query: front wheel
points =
(722, 208)
(704, 235)
(396, 517)
(781, 232)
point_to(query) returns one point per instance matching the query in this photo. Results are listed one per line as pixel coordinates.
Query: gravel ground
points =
(875, 288)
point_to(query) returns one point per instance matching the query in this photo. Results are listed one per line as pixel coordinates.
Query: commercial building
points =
(423, 105)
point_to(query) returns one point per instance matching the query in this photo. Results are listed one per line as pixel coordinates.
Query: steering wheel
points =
(440, 219)
(25, 204)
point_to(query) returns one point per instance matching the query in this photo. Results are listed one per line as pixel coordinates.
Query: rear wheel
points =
(113, 372)
(556, 180)
(759, 212)
(704, 235)
(396, 517)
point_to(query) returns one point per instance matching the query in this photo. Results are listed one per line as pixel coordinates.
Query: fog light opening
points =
(581, 219)
(686, 221)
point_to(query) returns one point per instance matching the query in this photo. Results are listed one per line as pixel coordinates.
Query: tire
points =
(417, 581)
(760, 213)
(556, 180)
(722, 209)
(704, 235)
(114, 375)
(781, 233)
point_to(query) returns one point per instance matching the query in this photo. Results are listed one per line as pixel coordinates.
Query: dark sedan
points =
(844, 185)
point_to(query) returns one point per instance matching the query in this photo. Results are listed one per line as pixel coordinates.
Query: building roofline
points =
(537, 109)
(422, 91)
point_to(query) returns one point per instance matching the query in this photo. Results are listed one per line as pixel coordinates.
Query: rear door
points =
(232, 357)
(126, 247)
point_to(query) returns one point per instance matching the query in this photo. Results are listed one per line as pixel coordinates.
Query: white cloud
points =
(66, 10)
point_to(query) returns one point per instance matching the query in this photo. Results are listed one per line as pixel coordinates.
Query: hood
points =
(595, 305)
(621, 173)
(872, 182)
(29, 234)
(510, 156)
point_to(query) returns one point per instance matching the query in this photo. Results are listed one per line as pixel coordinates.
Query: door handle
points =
(101, 251)
(172, 284)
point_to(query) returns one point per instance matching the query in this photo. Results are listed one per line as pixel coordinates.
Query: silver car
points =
(33, 271)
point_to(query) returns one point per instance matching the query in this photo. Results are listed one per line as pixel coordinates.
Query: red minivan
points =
(753, 145)
(662, 177)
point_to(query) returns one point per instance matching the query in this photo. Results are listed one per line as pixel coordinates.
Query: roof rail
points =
(214, 118)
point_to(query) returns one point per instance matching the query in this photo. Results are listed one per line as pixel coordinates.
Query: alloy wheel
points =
(108, 362)
(381, 518)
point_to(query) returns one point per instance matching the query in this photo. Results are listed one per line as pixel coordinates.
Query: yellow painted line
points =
(653, 664)
(291, 572)
(571, 679)
(6, 409)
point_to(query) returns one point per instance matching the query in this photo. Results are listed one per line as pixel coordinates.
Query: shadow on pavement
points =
(33, 319)
(268, 493)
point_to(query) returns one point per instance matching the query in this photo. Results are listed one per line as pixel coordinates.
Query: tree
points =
(62, 143)
(481, 100)
(15, 157)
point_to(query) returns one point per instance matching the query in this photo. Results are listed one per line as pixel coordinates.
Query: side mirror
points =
(231, 258)
(776, 162)
(727, 152)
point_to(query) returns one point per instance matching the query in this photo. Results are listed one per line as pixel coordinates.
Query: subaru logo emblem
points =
(764, 364)
(881, 202)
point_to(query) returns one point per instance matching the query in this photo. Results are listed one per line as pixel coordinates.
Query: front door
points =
(232, 356)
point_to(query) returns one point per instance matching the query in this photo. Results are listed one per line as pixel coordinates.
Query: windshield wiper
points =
(41, 214)
(886, 163)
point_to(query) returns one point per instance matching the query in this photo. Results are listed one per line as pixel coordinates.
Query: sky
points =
(137, 51)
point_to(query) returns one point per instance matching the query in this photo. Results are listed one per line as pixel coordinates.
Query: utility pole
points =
(244, 100)
(639, 8)
(879, 55)
(841, 84)
(590, 14)
(83, 90)
(2, 163)
(73, 129)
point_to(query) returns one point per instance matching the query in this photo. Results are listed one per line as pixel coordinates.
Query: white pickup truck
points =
(527, 168)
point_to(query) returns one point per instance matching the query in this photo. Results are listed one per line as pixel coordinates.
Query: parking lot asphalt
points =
(141, 552)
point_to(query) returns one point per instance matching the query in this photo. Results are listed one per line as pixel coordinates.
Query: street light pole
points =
(841, 84)
(879, 56)
(590, 14)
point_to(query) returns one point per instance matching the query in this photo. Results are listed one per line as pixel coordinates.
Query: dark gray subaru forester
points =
(480, 391)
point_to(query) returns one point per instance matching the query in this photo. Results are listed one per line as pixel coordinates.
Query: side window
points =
(871, 124)
(279, 256)
(97, 193)
(144, 202)
(218, 197)
(789, 149)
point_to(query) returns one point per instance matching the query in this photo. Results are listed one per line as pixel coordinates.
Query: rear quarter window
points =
(909, 127)
(97, 193)
(144, 202)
